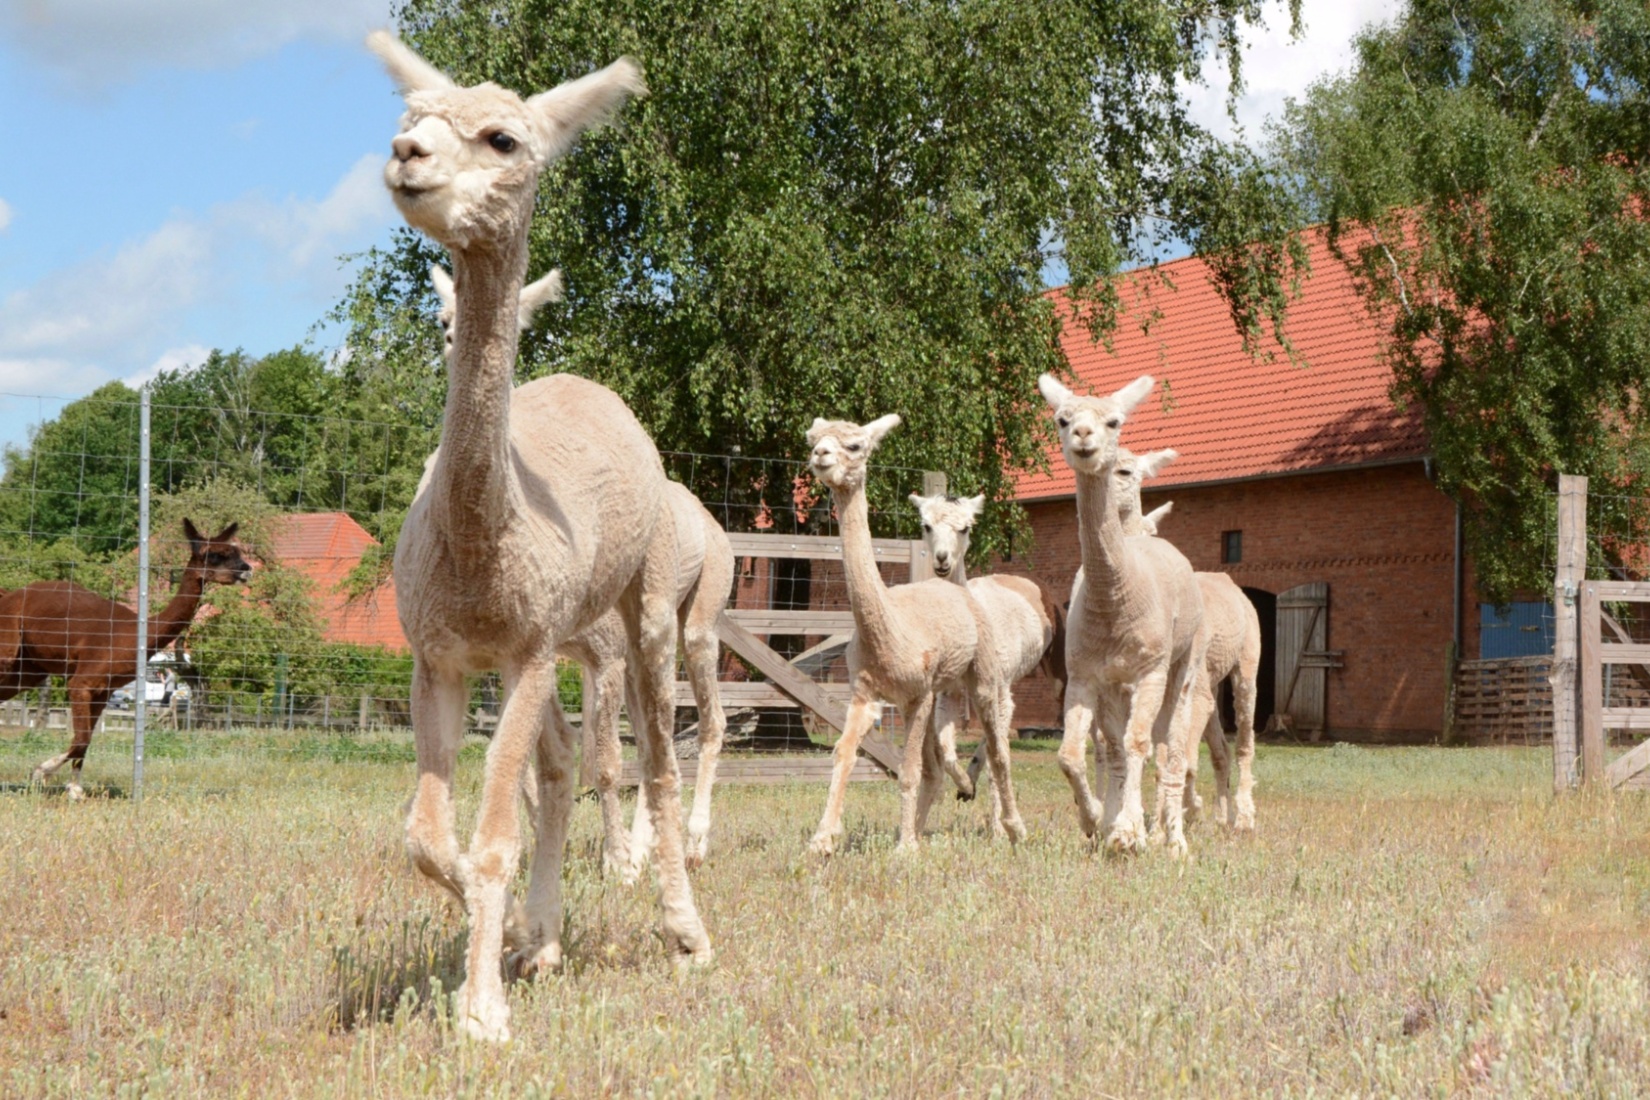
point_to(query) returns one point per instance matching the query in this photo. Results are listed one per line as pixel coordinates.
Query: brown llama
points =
(58, 628)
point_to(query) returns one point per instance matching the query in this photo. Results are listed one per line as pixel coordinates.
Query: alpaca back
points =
(1021, 629)
(1231, 624)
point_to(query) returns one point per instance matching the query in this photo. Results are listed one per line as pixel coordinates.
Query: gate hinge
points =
(1569, 591)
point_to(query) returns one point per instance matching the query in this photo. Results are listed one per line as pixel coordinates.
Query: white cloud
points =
(5, 215)
(190, 355)
(115, 310)
(1276, 68)
(96, 43)
(48, 377)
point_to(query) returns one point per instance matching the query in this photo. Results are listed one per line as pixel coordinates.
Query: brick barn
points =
(1299, 478)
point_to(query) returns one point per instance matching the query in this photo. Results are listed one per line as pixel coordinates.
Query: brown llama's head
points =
(217, 559)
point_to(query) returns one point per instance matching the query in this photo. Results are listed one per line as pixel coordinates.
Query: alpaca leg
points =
(1109, 728)
(438, 702)
(642, 836)
(1081, 699)
(933, 772)
(861, 716)
(1203, 724)
(910, 773)
(85, 705)
(1220, 757)
(702, 648)
(1243, 695)
(998, 716)
(540, 953)
(495, 847)
(1134, 744)
(1181, 688)
(601, 717)
(948, 712)
(650, 620)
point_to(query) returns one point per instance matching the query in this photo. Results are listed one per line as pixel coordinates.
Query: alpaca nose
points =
(1082, 431)
(408, 146)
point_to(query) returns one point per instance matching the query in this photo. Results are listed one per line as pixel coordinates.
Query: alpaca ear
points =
(975, 505)
(1134, 393)
(191, 534)
(227, 533)
(917, 500)
(816, 428)
(1053, 392)
(536, 295)
(1154, 463)
(566, 111)
(881, 426)
(1150, 520)
(410, 72)
(443, 286)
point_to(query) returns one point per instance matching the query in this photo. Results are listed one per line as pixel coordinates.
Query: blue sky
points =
(185, 174)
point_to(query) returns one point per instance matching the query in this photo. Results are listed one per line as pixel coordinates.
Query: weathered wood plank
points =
(749, 544)
(766, 770)
(793, 622)
(1632, 762)
(1623, 591)
(1619, 653)
(1592, 686)
(758, 694)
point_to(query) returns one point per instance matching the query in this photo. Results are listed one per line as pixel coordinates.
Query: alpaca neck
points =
(1100, 537)
(867, 595)
(959, 572)
(173, 619)
(474, 470)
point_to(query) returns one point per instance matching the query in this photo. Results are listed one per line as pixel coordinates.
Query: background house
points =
(1297, 476)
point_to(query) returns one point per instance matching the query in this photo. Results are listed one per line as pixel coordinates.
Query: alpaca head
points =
(217, 559)
(534, 296)
(840, 449)
(467, 160)
(946, 522)
(1090, 426)
(1130, 471)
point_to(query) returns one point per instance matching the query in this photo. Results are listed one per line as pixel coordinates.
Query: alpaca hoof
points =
(74, 793)
(488, 1023)
(528, 965)
(905, 848)
(822, 844)
(685, 962)
(615, 861)
(694, 853)
(1245, 822)
(1016, 830)
(631, 873)
(964, 796)
(1126, 838)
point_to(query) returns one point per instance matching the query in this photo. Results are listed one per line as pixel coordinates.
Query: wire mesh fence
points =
(309, 637)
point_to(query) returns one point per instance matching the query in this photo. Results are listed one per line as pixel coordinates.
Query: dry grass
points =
(1408, 922)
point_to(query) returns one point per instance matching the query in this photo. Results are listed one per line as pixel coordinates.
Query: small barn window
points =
(1231, 547)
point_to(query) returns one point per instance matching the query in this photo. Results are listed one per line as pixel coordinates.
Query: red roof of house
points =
(325, 546)
(1233, 415)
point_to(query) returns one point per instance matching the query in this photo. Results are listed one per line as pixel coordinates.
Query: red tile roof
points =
(1234, 416)
(325, 546)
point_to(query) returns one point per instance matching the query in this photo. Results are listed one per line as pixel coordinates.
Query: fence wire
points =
(310, 640)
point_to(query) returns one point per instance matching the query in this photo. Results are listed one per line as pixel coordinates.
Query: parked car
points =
(160, 685)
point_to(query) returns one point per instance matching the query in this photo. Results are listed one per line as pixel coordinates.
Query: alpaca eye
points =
(927, 530)
(1062, 421)
(503, 142)
(856, 447)
(1114, 423)
(965, 530)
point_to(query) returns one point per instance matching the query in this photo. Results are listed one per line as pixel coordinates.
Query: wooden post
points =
(1592, 687)
(933, 484)
(1571, 571)
(361, 715)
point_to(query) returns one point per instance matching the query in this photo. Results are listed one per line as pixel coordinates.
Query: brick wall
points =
(1384, 540)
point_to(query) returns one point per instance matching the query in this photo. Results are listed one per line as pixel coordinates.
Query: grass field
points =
(1407, 922)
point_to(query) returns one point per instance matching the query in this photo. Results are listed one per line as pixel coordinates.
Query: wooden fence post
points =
(1571, 571)
(1592, 686)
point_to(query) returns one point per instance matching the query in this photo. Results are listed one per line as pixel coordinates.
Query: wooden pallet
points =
(1504, 700)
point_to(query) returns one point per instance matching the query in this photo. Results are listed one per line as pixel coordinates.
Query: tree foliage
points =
(1483, 172)
(845, 210)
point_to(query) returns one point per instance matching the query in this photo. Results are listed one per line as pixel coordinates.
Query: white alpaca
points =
(1231, 636)
(704, 581)
(545, 507)
(1132, 634)
(910, 643)
(1025, 622)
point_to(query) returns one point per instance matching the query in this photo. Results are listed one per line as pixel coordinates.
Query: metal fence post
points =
(140, 697)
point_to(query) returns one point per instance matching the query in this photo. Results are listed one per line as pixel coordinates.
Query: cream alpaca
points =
(910, 643)
(1231, 637)
(1132, 634)
(704, 583)
(1023, 622)
(544, 508)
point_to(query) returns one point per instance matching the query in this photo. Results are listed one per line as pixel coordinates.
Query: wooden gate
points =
(1303, 657)
(793, 682)
(1631, 769)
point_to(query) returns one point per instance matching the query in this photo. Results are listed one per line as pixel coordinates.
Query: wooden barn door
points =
(1302, 658)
